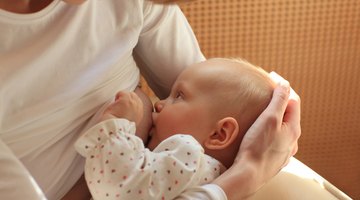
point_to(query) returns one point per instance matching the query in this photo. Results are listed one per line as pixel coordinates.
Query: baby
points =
(195, 136)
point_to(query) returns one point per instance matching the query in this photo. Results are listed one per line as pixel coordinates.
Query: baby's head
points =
(215, 101)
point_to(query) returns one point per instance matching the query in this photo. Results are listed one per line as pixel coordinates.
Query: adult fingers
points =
(294, 107)
(292, 114)
(295, 149)
(280, 97)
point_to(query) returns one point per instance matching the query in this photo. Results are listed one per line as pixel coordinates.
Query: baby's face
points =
(188, 109)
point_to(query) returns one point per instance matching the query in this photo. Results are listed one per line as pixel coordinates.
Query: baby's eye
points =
(179, 95)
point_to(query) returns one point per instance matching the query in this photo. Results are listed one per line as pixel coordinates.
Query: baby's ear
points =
(225, 133)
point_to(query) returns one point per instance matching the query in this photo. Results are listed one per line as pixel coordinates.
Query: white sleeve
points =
(112, 154)
(117, 165)
(205, 192)
(16, 183)
(166, 46)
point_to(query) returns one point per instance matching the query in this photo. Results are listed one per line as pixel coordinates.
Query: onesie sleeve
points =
(166, 46)
(118, 166)
(112, 153)
(204, 192)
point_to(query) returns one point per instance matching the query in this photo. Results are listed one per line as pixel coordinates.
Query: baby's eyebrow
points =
(182, 86)
(177, 85)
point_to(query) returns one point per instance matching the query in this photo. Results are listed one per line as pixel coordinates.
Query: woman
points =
(62, 60)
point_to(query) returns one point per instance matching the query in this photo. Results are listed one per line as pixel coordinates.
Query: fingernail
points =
(285, 85)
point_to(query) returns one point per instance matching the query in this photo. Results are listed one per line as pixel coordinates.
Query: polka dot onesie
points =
(118, 166)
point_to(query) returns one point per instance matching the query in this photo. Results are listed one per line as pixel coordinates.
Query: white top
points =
(59, 65)
(118, 166)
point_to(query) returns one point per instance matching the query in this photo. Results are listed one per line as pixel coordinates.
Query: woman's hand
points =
(273, 137)
(267, 145)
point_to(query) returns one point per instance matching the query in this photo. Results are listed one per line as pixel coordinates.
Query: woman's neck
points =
(24, 6)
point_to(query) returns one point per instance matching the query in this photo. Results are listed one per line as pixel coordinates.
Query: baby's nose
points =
(159, 105)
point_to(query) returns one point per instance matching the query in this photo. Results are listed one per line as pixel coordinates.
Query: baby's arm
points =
(118, 165)
(111, 150)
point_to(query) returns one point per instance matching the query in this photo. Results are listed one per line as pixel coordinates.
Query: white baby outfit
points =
(118, 166)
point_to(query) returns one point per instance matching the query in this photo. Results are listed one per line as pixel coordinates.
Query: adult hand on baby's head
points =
(272, 139)
(285, 107)
(267, 145)
(127, 105)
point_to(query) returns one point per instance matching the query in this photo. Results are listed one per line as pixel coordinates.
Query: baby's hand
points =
(127, 105)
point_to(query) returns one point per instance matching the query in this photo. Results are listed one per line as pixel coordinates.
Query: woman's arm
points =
(166, 46)
(16, 182)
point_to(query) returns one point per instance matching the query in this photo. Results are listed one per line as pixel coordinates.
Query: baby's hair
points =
(250, 91)
(248, 64)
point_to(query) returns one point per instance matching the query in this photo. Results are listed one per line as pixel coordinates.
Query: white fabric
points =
(59, 65)
(119, 166)
(13, 168)
(208, 191)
